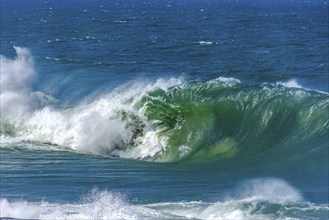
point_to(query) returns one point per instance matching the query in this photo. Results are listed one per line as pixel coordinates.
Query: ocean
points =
(164, 109)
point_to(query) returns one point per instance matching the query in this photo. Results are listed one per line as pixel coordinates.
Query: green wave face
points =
(194, 122)
(218, 121)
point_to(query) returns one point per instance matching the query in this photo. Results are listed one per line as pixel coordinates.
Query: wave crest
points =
(169, 120)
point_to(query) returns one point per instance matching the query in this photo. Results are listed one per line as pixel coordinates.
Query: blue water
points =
(164, 110)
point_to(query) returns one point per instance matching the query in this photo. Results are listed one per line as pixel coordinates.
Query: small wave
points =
(256, 203)
(205, 42)
(53, 58)
(82, 38)
(120, 21)
(57, 40)
(89, 37)
(294, 84)
(226, 80)
(290, 84)
(66, 60)
(273, 190)
(97, 205)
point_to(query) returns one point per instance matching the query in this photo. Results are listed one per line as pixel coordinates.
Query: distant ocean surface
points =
(164, 109)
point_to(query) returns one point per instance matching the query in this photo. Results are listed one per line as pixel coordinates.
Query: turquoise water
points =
(164, 110)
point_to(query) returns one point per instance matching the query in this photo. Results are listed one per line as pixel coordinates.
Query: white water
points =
(95, 127)
(92, 126)
(229, 81)
(294, 84)
(255, 195)
(16, 79)
(16, 96)
(290, 84)
(205, 42)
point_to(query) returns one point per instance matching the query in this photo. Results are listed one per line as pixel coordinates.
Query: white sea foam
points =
(244, 203)
(95, 126)
(290, 84)
(105, 125)
(120, 21)
(98, 205)
(106, 205)
(227, 80)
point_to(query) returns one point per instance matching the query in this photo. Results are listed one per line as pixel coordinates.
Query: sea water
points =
(164, 109)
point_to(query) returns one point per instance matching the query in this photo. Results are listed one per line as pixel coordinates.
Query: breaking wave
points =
(267, 198)
(168, 120)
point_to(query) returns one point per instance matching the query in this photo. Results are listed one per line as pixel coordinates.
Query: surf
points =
(250, 200)
(169, 120)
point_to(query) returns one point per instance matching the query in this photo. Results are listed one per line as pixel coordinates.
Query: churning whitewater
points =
(166, 120)
(252, 200)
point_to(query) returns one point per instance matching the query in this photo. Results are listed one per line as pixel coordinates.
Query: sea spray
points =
(17, 76)
(107, 125)
(253, 202)
(18, 100)
(202, 121)
(168, 120)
